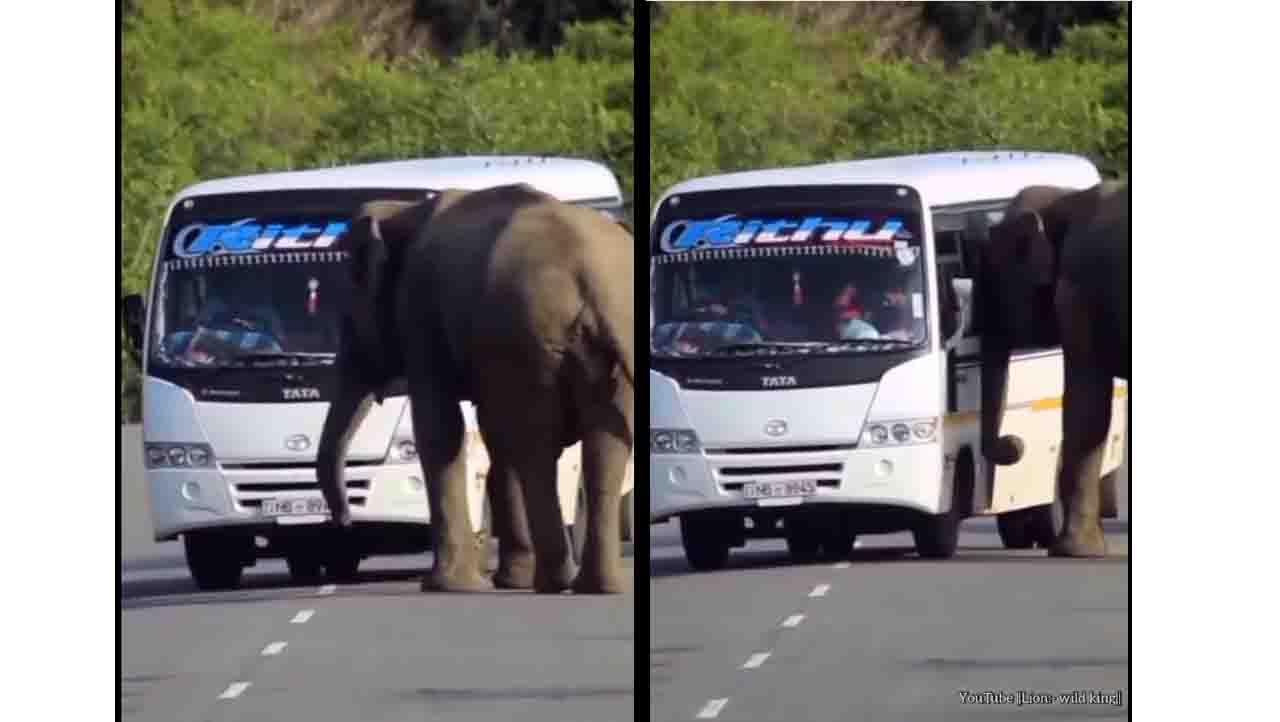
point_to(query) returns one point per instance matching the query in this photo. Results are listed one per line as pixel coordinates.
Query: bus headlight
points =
(403, 451)
(178, 456)
(673, 441)
(899, 433)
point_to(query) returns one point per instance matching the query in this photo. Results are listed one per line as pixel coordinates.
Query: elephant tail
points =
(609, 315)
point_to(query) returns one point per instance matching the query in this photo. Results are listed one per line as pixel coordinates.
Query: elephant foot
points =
(1091, 545)
(465, 581)
(557, 581)
(599, 582)
(515, 571)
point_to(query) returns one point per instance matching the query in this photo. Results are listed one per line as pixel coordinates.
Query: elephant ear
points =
(368, 255)
(1033, 249)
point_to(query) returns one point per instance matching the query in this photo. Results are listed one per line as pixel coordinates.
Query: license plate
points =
(778, 489)
(291, 507)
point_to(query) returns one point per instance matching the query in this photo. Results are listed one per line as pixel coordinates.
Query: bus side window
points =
(947, 301)
(950, 266)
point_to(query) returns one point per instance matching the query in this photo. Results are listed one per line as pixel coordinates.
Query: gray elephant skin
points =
(1055, 272)
(524, 305)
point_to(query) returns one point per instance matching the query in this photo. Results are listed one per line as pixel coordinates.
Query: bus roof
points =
(569, 179)
(942, 178)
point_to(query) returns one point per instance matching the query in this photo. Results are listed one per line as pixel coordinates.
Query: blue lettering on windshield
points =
(730, 231)
(245, 236)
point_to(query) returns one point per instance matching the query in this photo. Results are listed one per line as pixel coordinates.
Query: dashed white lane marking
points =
(274, 648)
(327, 589)
(756, 660)
(235, 690)
(712, 708)
(793, 621)
(303, 616)
(820, 590)
(843, 565)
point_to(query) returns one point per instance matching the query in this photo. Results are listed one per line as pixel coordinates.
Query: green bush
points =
(211, 90)
(736, 89)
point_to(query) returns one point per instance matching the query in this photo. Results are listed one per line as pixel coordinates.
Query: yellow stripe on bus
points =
(1045, 404)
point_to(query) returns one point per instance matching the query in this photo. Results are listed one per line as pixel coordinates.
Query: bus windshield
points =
(815, 283)
(249, 293)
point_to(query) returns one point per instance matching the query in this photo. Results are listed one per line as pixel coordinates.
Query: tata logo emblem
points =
(775, 427)
(297, 442)
(777, 382)
(303, 394)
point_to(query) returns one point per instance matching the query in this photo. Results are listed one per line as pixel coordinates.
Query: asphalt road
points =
(375, 650)
(888, 636)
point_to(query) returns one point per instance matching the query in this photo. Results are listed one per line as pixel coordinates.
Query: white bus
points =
(811, 377)
(230, 441)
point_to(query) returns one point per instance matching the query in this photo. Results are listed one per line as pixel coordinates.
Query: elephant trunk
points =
(340, 424)
(1001, 450)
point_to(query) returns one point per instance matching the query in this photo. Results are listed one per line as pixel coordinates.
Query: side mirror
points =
(134, 316)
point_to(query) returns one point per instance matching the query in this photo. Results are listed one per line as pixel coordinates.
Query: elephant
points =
(524, 305)
(1055, 272)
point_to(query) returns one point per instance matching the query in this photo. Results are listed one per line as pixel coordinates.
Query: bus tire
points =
(706, 547)
(1015, 530)
(838, 546)
(1045, 523)
(803, 545)
(629, 517)
(343, 566)
(1110, 506)
(304, 568)
(214, 560)
(938, 535)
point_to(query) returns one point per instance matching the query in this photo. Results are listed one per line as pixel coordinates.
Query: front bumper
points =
(908, 477)
(187, 499)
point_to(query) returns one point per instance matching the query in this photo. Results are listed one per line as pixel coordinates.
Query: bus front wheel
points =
(216, 562)
(343, 566)
(937, 536)
(706, 546)
(304, 568)
(804, 545)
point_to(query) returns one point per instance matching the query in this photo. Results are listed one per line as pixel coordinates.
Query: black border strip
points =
(640, 206)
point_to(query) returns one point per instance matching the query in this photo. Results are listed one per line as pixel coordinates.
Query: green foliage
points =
(211, 90)
(736, 89)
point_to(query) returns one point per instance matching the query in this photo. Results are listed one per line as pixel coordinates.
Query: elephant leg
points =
(438, 430)
(511, 527)
(521, 422)
(1086, 419)
(535, 465)
(607, 441)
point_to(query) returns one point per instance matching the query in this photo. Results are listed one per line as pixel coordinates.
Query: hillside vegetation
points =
(740, 86)
(223, 88)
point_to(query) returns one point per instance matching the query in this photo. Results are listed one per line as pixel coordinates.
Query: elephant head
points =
(368, 359)
(1013, 299)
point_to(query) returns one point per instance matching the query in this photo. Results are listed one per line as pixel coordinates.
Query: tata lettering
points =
(729, 231)
(244, 236)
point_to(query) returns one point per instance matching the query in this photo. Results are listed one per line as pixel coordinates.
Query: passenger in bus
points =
(736, 302)
(851, 318)
(896, 319)
(847, 303)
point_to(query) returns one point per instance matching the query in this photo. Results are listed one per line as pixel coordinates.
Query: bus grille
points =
(248, 495)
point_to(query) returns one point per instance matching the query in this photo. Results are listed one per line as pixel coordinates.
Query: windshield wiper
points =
(286, 356)
(773, 345)
(873, 342)
(769, 347)
(810, 348)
